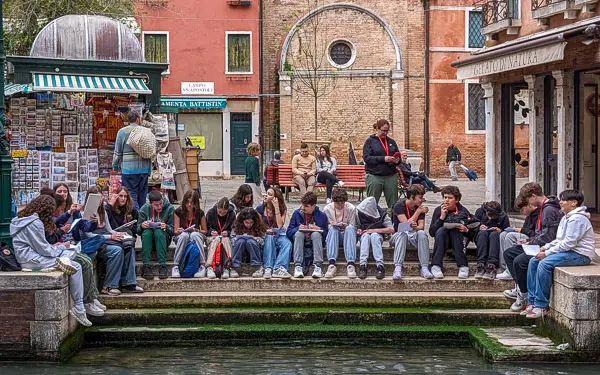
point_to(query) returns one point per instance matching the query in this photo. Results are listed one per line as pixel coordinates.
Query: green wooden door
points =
(241, 136)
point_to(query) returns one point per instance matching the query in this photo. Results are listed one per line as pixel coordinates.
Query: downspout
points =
(426, 120)
(261, 124)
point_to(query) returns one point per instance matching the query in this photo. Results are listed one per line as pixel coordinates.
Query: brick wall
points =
(17, 309)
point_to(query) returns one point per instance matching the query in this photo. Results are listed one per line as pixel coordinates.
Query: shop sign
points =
(198, 141)
(194, 103)
(197, 88)
(19, 154)
(517, 60)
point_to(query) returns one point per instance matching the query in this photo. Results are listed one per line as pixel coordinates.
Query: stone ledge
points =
(582, 277)
(575, 303)
(32, 281)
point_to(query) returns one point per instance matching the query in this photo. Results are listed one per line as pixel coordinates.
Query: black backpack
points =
(8, 261)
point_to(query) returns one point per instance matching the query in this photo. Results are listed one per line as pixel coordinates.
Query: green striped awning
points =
(80, 83)
(16, 88)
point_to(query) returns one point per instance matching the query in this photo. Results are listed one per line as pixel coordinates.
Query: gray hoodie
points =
(575, 233)
(29, 241)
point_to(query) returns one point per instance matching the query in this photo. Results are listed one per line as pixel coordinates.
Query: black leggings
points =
(328, 179)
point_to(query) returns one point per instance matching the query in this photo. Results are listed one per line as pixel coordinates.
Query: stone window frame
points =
(144, 33)
(249, 33)
(468, 82)
(352, 49)
(468, 12)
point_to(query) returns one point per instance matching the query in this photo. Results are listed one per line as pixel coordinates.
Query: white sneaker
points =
(437, 272)
(227, 273)
(511, 293)
(80, 316)
(175, 272)
(317, 273)
(520, 303)
(351, 272)
(505, 275)
(298, 272)
(282, 273)
(210, 273)
(340, 183)
(537, 312)
(331, 271)
(425, 273)
(397, 275)
(328, 201)
(528, 309)
(93, 310)
(99, 305)
(201, 273)
(258, 273)
(463, 272)
(51, 269)
(268, 273)
(64, 264)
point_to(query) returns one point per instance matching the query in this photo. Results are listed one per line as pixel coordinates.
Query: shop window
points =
(239, 53)
(475, 107)
(156, 47)
(207, 125)
(475, 36)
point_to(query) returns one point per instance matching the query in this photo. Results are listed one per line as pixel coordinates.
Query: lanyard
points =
(190, 222)
(539, 221)
(385, 146)
(306, 220)
(335, 214)
(153, 213)
(408, 215)
(219, 224)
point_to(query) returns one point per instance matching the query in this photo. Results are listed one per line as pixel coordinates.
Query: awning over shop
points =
(194, 103)
(81, 83)
(16, 88)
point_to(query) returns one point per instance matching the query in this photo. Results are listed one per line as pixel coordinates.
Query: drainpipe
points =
(260, 84)
(426, 120)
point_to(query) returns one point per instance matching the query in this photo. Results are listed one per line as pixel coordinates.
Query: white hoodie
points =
(575, 233)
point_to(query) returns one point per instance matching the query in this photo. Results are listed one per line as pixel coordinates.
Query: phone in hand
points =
(397, 155)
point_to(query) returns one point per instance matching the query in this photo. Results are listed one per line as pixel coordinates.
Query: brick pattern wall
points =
(17, 310)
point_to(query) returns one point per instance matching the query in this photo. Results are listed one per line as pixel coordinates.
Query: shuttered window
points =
(156, 48)
(239, 53)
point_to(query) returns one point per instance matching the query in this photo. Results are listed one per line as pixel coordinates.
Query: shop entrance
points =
(515, 117)
(241, 136)
(550, 137)
(587, 111)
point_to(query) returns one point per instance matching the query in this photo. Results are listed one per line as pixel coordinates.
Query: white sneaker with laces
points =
(93, 310)
(520, 303)
(229, 273)
(537, 312)
(505, 275)
(259, 272)
(317, 273)
(425, 273)
(268, 273)
(463, 273)
(175, 272)
(201, 273)
(80, 316)
(351, 272)
(99, 305)
(331, 271)
(64, 264)
(511, 293)
(282, 273)
(298, 272)
(527, 310)
(437, 272)
(210, 273)
(340, 183)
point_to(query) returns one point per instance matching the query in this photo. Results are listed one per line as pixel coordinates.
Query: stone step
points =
(410, 268)
(315, 298)
(341, 283)
(312, 315)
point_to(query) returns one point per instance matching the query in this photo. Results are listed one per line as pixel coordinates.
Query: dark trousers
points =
(137, 184)
(445, 238)
(246, 244)
(328, 179)
(517, 262)
(423, 180)
(488, 248)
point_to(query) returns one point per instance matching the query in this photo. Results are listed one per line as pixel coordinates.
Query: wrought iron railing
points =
(537, 4)
(498, 10)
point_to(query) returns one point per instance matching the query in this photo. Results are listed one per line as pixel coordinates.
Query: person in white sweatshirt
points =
(343, 224)
(574, 246)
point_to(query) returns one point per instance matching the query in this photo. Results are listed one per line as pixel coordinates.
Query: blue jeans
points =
(374, 240)
(112, 255)
(423, 180)
(273, 258)
(539, 275)
(128, 270)
(249, 244)
(333, 243)
(137, 184)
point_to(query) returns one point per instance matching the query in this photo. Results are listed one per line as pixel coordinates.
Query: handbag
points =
(143, 142)
(8, 261)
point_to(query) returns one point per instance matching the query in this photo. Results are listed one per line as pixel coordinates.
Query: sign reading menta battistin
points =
(517, 60)
(197, 88)
(194, 103)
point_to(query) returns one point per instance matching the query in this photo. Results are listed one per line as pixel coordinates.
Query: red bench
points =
(353, 177)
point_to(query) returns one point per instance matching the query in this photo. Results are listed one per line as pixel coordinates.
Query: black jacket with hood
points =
(374, 156)
(226, 225)
(545, 232)
(528, 227)
(462, 216)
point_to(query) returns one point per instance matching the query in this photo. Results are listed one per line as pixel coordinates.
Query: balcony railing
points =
(537, 4)
(495, 11)
(544, 9)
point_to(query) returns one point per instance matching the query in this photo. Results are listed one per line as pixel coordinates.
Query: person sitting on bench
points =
(417, 177)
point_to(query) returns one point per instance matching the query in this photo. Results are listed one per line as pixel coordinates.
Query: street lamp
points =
(5, 158)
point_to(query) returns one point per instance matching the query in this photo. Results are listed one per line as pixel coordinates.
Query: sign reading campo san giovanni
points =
(197, 88)
(517, 60)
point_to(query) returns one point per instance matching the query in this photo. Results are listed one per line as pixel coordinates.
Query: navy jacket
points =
(320, 219)
(374, 156)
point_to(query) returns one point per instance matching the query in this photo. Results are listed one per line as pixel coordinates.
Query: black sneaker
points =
(163, 272)
(362, 272)
(132, 289)
(480, 271)
(147, 272)
(380, 272)
(490, 272)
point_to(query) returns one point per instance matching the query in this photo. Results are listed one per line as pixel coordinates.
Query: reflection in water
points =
(308, 360)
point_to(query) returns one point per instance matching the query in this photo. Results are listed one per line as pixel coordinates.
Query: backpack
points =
(220, 261)
(8, 261)
(190, 262)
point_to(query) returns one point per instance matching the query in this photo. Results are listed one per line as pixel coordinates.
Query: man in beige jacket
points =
(304, 168)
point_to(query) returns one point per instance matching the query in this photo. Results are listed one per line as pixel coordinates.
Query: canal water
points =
(301, 360)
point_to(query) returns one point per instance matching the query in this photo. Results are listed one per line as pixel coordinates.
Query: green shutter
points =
(238, 54)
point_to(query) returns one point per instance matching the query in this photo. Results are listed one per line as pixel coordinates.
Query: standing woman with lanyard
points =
(381, 155)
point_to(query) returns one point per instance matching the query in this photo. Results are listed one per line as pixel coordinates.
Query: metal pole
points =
(5, 158)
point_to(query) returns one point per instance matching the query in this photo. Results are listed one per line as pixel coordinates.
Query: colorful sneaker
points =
(505, 275)
(260, 271)
(175, 272)
(527, 310)
(80, 316)
(520, 303)
(268, 273)
(537, 312)
(437, 272)
(397, 275)
(282, 273)
(480, 271)
(351, 272)
(317, 273)
(298, 272)
(331, 271)
(64, 264)
(425, 273)
(490, 272)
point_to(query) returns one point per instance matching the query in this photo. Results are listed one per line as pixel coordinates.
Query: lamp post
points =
(5, 158)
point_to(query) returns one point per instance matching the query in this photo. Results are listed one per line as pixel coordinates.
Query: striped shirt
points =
(125, 158)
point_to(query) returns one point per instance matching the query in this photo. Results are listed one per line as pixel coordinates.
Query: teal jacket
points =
(252, 170)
